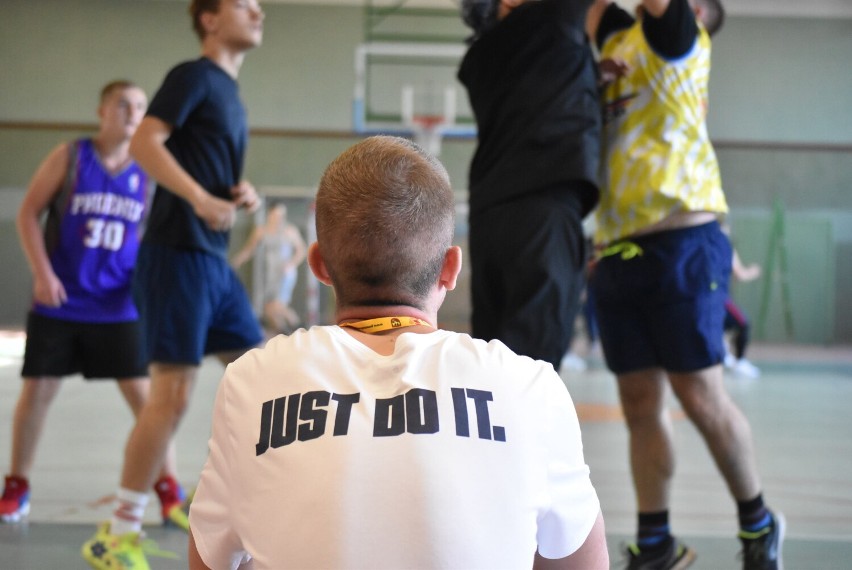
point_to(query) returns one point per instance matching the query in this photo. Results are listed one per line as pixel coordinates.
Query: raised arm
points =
(45, 184)
(656, 7)
(593, 17)
(148, 147)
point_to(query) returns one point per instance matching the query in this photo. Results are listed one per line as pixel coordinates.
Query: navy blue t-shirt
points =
(202, 104)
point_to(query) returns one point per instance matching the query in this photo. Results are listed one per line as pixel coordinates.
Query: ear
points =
(208, 21)
(699, 11)
(317, 264)
(451, 268)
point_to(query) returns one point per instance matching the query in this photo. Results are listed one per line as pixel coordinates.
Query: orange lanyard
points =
(371, 326)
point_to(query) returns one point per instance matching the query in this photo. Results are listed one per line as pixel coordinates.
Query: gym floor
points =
(798, 408)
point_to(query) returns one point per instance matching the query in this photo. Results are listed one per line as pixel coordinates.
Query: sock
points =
(753, 514)
(129, 509)
(653, 530)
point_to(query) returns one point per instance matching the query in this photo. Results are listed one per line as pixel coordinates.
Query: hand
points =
(245, 196)
(749, 272)
(218, 214)
(611, 69)
(49, 291)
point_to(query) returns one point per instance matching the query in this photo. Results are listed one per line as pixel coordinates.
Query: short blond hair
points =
(385, 217)
(114, 86)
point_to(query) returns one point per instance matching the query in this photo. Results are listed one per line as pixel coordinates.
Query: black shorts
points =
(528, 259)
(95, 350)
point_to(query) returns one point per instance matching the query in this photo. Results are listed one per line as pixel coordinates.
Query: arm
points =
(248, 249)
(669, 27)
(45, 184)
(605, 18)
(655, 7)
(195, 561)
(593, 17)
(148, 147)
(300, 248)
(592, 555)
(744, 272)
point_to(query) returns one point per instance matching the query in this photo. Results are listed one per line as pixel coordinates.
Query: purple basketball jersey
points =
(94, 227)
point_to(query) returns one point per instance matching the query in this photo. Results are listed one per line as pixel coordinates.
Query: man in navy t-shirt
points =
(191, 303)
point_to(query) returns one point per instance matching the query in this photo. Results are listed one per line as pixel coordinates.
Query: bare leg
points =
(275, 316)
(724, 427)
(37, 394)
(136, 392)
(652, 458)
(171, 386)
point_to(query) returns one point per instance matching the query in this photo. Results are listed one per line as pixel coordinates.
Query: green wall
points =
(780, 99)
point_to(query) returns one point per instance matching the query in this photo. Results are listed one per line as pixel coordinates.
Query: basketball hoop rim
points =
(428, 122)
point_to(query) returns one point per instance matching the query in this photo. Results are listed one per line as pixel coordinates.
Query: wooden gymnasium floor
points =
(799, 410)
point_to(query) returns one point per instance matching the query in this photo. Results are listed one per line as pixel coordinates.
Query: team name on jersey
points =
(106, 204)
(303, 417)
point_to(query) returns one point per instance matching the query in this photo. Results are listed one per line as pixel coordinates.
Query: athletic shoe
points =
(730, 360)
(105, 551)
(674, 556)
(15, 502)
(173, 504)
(745, 369)
(762, 549)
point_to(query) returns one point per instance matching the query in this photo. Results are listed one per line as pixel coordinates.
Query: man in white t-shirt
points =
(381, 441)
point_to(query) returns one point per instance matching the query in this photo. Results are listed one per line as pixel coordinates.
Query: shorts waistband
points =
(633, 247)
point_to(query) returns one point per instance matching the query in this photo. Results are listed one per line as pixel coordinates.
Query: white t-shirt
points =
(450, 453)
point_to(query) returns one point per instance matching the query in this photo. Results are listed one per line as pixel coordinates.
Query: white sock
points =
(129, 509)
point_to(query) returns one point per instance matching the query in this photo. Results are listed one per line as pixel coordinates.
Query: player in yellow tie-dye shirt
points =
(662, 278)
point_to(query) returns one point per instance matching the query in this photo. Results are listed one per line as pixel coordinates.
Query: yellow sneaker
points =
(105, 551)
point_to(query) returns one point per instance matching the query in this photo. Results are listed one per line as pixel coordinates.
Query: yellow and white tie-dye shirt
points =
(658, 159)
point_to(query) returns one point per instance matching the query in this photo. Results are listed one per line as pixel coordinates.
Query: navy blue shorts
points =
(665, 307)
(191, 303)
(57, 348)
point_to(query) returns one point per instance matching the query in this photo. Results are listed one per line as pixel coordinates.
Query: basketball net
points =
(427, 132)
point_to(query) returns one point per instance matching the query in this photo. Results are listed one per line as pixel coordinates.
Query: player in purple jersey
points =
(83, 319)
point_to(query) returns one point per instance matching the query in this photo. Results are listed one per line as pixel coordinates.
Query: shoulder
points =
(64, 154)
(197, 66)
(494, 355)
(189, 74)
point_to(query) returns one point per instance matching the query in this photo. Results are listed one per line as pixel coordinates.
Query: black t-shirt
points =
(671, 35)
(202, 104)
(532, 85)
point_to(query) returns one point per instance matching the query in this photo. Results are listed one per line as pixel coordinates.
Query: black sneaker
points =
(762, 549)
(675, 555)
